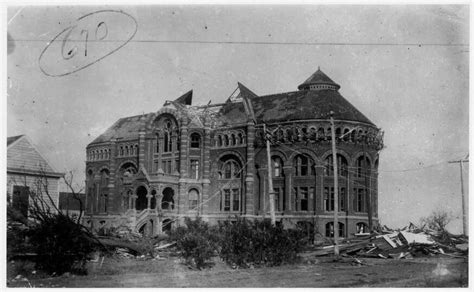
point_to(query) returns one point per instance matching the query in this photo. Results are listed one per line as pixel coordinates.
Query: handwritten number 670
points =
(72, 52)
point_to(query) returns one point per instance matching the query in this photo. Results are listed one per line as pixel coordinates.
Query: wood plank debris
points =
(404, 243)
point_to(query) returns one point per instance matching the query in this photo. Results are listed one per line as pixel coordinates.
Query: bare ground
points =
(435, 271)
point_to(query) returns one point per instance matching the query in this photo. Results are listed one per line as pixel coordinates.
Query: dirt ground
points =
(435, 271)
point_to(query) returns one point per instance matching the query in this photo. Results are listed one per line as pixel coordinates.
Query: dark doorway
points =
(167, 203)
(21, 199)
(142, 201)
(153, 200)
(166, 225)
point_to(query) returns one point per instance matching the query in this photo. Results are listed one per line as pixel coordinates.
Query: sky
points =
(405, 67)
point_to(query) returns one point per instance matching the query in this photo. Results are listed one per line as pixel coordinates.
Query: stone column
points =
(148, 197)
(206, 168)
(262, 173)
(141, 149)
(134, 201)
(183, 167)
(319, 189)
(249, 178)
(288, 172)
(114, 194)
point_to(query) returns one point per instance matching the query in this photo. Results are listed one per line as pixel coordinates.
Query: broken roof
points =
(273, 108)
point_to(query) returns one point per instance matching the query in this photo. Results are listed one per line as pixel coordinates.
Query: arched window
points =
(304, 134)
(157, 149)
(128, 170)
(233, 141)
(240, 138)
(104, 177)
(312, 134)
(341, 165)
(121, 150)
(289, 136)
(338, 134)
(330, 229)
(363, 166)
(231, 190)
(280, 135)
(328, 134)
(277, 166)
(193, 197)
(195, 140)
(361, 227)
(230, 170)
(346, 135)
(168, 143)
(321, 135)
(303, 165)
(226, 140)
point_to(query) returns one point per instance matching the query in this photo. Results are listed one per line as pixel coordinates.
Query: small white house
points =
(29, 174)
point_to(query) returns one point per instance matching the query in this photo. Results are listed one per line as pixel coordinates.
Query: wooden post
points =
(464, 217)
(336, 194)
(368, 191)
(271, 193)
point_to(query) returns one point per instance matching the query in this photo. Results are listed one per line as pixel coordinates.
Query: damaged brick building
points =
(148, 172)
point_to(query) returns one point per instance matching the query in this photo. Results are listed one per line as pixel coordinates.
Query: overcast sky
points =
(405, 67)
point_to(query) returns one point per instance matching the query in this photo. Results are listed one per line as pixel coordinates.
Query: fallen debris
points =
(406, 243)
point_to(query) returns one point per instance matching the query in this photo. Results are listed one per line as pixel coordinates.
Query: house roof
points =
(10, 140)
(23, 157)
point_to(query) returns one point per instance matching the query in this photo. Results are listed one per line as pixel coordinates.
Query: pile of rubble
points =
(405, 243)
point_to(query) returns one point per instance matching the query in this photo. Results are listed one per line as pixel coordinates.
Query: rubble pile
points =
(405, 243)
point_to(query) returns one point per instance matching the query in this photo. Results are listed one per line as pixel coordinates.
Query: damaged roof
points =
(125, 128)
(305, 105)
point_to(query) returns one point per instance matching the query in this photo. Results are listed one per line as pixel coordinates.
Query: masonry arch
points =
(167, 202)
(141, 202)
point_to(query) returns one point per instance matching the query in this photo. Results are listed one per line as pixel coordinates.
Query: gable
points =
(22, 155)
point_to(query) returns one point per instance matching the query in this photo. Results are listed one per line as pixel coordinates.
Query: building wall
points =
(162, 160)
(36, 184)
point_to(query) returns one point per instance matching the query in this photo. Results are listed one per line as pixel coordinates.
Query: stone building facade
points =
(148, 172)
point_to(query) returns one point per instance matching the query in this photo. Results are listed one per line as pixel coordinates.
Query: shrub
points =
(197, 242)
(244, 243)
(61, 245)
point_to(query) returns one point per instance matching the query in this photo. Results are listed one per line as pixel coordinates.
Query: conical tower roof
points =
(318, 78)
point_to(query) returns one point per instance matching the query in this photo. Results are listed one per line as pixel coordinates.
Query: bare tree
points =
(68, 180)
(438, 220)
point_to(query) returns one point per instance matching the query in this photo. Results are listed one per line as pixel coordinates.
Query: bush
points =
(244, 243)
(197, 242)
(61, 245)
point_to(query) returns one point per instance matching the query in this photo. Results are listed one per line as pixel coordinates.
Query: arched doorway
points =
(147, 228)
(153, 200)
(167, 203)
(166, 225)
(142, 202)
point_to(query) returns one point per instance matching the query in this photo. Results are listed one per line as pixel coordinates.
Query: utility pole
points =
(464, 205)
(271, 193)
(336, 188)
(368, 191)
